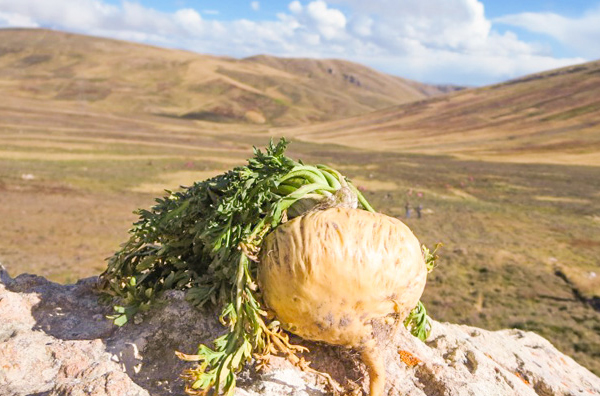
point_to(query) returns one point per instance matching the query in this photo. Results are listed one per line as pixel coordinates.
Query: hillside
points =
(521, 241)
(125, 77)
(546, 117)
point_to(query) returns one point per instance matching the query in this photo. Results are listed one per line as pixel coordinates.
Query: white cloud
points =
(190, 20)
(255, 5)
(456, 43)
(330, 23)
(453, 23)
(295, 7)
(361, 26)
(581, 33)
(468, 69)
(11, 19)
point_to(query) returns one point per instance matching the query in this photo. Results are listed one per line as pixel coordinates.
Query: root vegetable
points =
(350, 267)
(329, 275)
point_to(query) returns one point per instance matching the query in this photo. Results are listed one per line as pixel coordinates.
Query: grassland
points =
(520, 233)
(551, 117)
(509, 230)
(125, 77)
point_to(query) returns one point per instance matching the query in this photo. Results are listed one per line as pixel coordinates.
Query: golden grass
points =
(347, 167)
(45, 156)
(62, 234)
(587, 281)
(500, 230)
(173, 180)
(546, 198)
(551, 119)
(375, 185)
(31, 143)
(462, 194)
(79, 142)
(555, 158)
(122, 77)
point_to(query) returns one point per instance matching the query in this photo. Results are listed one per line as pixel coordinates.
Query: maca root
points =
(373, 359)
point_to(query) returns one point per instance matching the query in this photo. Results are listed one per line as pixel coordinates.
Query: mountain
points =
(520, 240)
(546, 117)
(123, 77)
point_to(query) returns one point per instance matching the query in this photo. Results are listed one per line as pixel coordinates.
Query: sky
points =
(463, 42)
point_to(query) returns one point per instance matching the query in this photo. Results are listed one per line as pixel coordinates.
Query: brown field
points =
(130, 78)
(552, 117)
(520, 225)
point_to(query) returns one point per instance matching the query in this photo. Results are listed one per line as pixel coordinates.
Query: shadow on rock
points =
(55, 340)
(66, 312)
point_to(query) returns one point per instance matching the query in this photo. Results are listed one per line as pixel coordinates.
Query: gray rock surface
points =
(55, 340)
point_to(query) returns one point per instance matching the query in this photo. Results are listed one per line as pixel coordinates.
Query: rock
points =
(55, 340)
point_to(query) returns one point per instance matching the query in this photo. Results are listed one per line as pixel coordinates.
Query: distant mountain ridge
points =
(120, 76)
(552, 116)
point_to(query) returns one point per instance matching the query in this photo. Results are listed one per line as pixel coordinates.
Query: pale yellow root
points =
(282, 344)
(371, 357)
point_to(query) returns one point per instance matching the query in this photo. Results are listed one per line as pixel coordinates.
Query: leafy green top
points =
(204, 240)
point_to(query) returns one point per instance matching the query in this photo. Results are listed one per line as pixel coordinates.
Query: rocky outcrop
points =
(55, 340)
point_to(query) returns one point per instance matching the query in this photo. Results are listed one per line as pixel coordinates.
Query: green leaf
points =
(120, 320)
(230, 384)
(241, 354)
(223, 372)
(146, 263)
(418, 323)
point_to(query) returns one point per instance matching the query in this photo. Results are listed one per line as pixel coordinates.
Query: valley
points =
(507, 175)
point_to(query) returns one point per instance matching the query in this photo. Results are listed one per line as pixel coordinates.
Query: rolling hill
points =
(547, 117)
(91, 129)
(123, 77)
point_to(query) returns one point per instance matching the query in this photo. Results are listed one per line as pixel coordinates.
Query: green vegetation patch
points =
(577, 111)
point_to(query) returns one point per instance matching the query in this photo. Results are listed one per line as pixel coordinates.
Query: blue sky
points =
(466, 42)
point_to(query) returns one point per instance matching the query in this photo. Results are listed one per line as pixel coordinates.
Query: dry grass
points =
(33, 156)
(549, 118)
(11, 145)
(97, 142)
(506, 225)
(498, 235)
(60, 233)
(585, 280)
(67, 194)
(546, 198)
(173, 180)
(123, 77)
(374, 185)
(556, 158)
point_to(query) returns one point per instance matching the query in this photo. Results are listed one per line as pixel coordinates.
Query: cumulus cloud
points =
(468, 69)
(11, 19)
(454, 23)
(189, 20)
(581, 33)
(457, 43)
(295, 7)
(329, 22)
